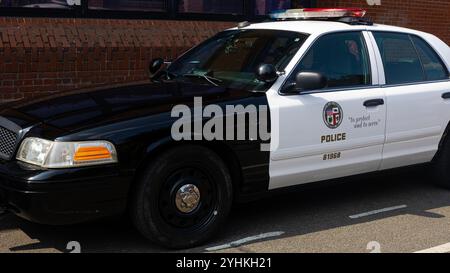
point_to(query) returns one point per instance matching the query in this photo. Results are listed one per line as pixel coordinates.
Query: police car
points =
(342, 96)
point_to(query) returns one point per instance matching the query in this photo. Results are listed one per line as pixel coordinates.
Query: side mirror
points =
(267, 73)
(155, 65)
(306, 81)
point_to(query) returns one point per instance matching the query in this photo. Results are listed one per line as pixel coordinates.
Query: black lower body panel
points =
(72, 198)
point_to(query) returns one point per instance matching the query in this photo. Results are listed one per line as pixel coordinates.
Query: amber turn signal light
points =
(92, 153)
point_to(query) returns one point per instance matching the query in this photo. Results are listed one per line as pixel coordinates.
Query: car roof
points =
(319, 27)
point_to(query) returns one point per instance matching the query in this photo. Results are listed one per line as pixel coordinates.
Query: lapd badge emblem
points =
(332, 115)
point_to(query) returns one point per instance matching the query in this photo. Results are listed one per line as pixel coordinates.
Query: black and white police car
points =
(341, 95)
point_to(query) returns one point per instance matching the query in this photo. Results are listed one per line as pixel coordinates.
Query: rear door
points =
(416, 81)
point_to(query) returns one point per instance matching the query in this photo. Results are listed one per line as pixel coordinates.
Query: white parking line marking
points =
(356, 216)
(445, 248)
(246, 240)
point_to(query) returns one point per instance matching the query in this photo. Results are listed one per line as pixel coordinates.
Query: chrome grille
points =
(7, 143)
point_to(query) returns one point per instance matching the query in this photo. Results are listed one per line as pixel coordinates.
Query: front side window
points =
(341, 57)
(400, 59)
(231, 58)
(53, 4)
(432, 64)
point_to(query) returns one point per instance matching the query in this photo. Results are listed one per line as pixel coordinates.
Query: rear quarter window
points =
(432, 64)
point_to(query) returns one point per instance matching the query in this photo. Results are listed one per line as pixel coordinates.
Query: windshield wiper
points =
(210, 79)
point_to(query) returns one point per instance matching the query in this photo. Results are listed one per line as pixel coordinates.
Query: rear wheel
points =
(183, 197)
(441, 166)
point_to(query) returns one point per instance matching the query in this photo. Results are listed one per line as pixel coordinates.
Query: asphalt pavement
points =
(391, 212)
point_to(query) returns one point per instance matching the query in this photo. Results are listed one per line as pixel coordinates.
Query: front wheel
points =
(183, 197)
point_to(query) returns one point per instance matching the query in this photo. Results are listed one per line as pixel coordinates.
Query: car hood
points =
(82, 109)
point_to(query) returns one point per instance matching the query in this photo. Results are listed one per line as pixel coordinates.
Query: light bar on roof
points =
(312, 13)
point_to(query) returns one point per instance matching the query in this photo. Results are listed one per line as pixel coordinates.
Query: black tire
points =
(154, 210)
(441, 166)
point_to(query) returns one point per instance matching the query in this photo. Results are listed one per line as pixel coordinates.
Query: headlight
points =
(55, 154)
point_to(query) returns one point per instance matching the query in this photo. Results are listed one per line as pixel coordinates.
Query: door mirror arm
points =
(290, 88)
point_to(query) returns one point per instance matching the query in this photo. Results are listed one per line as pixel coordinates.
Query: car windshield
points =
(231, 58)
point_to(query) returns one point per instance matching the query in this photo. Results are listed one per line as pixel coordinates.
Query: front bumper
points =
(60, 197)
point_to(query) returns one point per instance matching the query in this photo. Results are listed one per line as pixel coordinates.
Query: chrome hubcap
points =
(187, 198)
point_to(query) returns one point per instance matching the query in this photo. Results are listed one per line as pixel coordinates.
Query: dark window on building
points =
(432, 64)
(137, 5)
(222, 10)
(341, 57)
(211, 6)
(50, 4)
(400, 60)
(264, 7)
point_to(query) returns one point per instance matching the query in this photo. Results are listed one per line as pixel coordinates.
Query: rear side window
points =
(432, 64)
(400, 59)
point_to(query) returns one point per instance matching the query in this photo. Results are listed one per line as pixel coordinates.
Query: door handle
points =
(374, 103)
(446, 96)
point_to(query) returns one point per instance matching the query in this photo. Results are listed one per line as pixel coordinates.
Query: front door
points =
(333, 132)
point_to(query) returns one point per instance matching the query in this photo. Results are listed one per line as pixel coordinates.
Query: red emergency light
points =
(311, 13)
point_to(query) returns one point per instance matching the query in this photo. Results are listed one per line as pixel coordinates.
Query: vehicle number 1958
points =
(332, 156)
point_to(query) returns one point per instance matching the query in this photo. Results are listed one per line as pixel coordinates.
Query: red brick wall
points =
(43, 55)
(427, 15)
